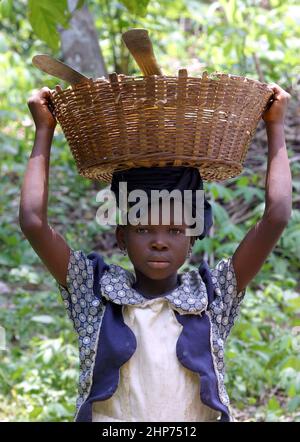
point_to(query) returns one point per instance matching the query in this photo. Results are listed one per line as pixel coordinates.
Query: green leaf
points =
(230, 7)
(273, 404)
(6, 8)
(136, 7)
(44, 18)
(57, 410)
(35, 412)
(44, 319)
(292, 361)
(47, 355)
(293, 404)
(80, 4)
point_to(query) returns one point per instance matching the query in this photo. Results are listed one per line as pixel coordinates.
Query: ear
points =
(120, 236)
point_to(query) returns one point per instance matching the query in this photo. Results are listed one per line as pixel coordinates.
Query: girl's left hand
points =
(276, 112)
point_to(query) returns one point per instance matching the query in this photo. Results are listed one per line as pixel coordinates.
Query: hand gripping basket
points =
(125, 121)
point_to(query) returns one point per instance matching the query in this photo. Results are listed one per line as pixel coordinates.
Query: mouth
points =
(158, 264)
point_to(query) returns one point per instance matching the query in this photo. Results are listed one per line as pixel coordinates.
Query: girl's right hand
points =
(38, 105)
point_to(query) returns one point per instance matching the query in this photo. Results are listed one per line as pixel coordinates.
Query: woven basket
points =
(206, 122)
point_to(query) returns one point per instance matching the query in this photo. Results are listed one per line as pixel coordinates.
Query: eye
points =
(176, 231)
(141, 230)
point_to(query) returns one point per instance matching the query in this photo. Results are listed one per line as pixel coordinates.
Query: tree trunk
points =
(80, 44)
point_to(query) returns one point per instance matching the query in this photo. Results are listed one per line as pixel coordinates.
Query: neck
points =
(152, 287)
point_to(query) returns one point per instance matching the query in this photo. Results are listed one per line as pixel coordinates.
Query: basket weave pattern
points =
(206, 122)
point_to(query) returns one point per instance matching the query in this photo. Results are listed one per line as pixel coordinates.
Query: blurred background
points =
(255, 38)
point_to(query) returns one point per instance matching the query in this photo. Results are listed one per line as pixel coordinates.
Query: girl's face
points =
(156, 251)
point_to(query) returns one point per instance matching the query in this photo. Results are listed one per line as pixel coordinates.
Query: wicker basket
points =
(206, 122)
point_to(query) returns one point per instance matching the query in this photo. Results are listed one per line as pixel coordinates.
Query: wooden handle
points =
(58, 69)
(139, 45)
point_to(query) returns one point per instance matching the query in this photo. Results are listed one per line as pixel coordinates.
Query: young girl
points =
(151, 342)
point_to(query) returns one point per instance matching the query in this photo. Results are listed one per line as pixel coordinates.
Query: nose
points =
(158, 243)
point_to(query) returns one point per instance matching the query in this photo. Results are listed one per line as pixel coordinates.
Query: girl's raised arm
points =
(262, 238)
(48, 244)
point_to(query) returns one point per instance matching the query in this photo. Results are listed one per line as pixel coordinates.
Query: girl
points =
(151, 342)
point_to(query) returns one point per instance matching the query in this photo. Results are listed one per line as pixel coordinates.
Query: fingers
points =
(43, 95)
(280, 94)
(57, 88)
(45, 92)
(40, 96)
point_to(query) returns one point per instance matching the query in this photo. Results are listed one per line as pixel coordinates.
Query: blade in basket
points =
(58, 69)
(139, 45)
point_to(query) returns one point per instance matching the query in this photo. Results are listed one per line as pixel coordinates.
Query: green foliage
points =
(137, 7)
(6, 8)
(263, 353)
(44, 18)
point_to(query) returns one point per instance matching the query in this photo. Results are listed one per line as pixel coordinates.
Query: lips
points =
(158, 259)
(158, 263)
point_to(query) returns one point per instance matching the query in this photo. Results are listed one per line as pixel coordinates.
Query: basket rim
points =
(212, 76)
(235, 170)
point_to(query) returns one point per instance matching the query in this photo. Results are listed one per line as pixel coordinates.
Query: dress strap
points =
(205, 274)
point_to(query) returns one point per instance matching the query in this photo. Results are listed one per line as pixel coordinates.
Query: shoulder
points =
(226, 305)
(81, 296)
(84, 267)
(223, 276)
